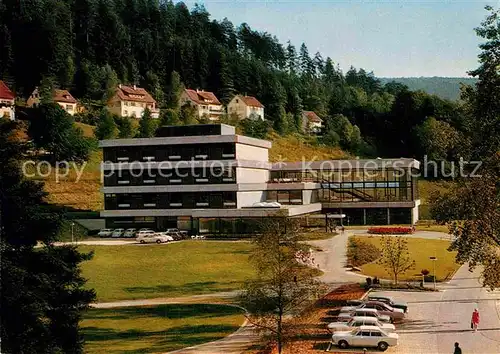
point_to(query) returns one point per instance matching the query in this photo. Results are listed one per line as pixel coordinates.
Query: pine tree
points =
(146, 125)
(125, 128)
(169, 117)
(43, 295)
(106, 127)
(175, 90)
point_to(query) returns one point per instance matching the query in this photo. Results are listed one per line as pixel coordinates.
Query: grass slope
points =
(420, 250)
(178, 269)
(157, 328)
(294, 148)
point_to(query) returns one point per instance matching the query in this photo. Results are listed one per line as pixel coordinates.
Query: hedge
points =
(390, 230)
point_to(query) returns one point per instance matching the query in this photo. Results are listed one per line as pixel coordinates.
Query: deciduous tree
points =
(395, 257)
(283, 285)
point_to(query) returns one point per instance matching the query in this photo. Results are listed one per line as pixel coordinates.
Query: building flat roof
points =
(183, 140)
(368, 164)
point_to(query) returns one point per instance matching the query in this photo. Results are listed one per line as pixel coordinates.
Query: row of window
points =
(365, 194)
(170, 177)
(293, 197)
(212, 200)
(170, 153)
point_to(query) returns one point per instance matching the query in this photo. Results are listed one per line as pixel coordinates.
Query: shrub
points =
(424, 272)
(390, 230)
(360, 252)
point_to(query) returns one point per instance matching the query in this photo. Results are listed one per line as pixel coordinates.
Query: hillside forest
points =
(89, 46)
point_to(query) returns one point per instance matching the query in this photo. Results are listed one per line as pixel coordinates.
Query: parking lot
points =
(436, 320)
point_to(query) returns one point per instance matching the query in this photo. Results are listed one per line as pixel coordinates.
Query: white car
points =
(383, 309)
(358, 322)
(151, 237)
(118, 233)
(346, 316)
(166, 235)
(130, 233)
(105, 232)
(365, 336)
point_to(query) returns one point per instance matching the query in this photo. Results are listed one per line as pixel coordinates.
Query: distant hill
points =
(444, 87)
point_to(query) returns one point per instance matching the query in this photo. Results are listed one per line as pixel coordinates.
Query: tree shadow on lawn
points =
(171, 311)
(170, 339)
(198, 287)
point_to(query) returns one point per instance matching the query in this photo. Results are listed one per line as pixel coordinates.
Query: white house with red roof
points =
(7, 102)
(131, 101)
(62, 97)
(246, 107)
(205, 102)
(311, 122)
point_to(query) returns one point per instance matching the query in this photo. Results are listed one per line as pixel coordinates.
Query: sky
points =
(405, 38)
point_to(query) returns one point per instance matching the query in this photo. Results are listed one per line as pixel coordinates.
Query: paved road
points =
(437, 320)
(332, 260)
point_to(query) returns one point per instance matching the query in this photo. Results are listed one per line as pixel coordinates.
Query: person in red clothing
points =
(475, 320)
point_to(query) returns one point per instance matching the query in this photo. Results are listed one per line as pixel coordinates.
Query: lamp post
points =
(72, 234)
(434, 259)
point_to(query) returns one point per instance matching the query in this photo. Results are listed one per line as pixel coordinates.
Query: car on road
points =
(152, 237)
(358, 321)
(365, 336)
(390, 301)
(130, 233)
(383, 309)
(346, 316)
(105, 233)
(118, 233)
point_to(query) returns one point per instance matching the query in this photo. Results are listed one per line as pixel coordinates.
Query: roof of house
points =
(201, 97)
(313, 117)
(5, 92)
(136, 94)
(251, 101)
(63, 96)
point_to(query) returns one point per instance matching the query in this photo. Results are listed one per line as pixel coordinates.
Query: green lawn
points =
(157, 328)
(420, 250)
(178, 269)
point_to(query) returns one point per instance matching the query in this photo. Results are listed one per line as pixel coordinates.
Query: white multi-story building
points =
(206, 103)
(62, 97)
(311, 122)
(7, 102)
(246, 107)
(131, 101)
(206, 178)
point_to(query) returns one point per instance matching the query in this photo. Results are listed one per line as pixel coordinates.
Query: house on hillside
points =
(311, 122)
(7, 102)
(131, 101)
(246, 107)
(62, 97)
(205, 102)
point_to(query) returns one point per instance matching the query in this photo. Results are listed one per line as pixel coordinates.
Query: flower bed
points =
(390, 230)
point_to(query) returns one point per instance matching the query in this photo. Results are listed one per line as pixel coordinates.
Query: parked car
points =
(130, 233)
(358, 321)
(151, 237)
(390, 301)
(144, 232)
(383, 309)
(167, 236)
(181, 233)
(146, 229)
(105, 233)
(118, 233)
(365, 336)
(346, 316)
